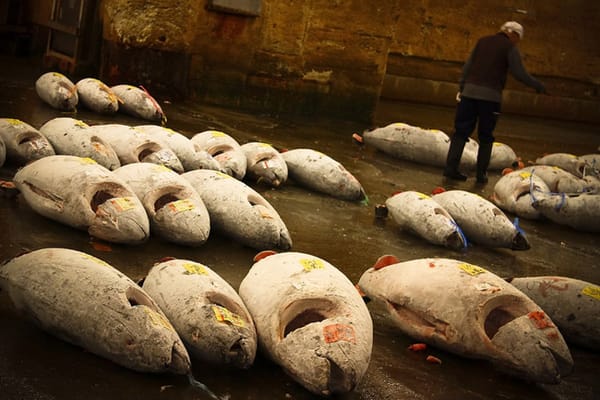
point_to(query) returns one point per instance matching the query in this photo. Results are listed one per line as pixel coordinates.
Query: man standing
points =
(481, 84)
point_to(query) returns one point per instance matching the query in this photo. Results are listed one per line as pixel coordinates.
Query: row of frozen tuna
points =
(550, 192)
(113, 145)
(58, 91)
(454, 218)
(302, 313)
(124, 205)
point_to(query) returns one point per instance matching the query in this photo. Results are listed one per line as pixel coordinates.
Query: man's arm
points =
(516, 68)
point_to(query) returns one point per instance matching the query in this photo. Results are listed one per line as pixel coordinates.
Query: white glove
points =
(458, 97)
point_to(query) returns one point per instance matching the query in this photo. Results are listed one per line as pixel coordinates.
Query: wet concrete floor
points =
(35, 365)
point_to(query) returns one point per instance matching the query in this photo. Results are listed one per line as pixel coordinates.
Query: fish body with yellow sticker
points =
(413, 143)
(310, 320)
(238, 211)
(557, 179)
(569, 162)
(467, 310)
(138, 102)
(481, 220)
(225, 149)
(190, 155)
(176, 210)
(97, 96)
(319, 172)
(22, 142)
(87, 302)
(418, 213)
(503, 156)
(573, 304)
(81, 193)
(209, 315)
(70, 136)
(58, 91)
(515, 191)
(265, 164)
(133, 146)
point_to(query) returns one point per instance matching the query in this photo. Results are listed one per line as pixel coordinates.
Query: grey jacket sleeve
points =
(465, 71)
(516, 68)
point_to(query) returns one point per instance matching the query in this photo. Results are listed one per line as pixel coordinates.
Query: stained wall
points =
(338, 57)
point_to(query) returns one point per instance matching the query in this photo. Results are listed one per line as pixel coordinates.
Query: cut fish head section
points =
(322, 349)
(528, 344)
(178, 361)
(154, 153)
(118, 218)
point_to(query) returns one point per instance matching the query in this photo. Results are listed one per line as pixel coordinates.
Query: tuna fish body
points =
(87, 302)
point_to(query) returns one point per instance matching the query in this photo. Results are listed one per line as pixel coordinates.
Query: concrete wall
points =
(337, 57)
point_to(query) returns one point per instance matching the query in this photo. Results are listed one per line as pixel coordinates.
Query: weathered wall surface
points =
(337, 57)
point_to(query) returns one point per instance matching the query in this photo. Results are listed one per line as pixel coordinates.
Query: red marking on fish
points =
(263, 254)
(337, 332)
(357, 138)
(384, 261)
(437, 190)
(540, 320)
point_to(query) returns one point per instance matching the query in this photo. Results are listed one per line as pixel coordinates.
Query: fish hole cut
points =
(136, 297)
(164, 200)
(26, 139)
(144, 153)
(496, 319)
(301, 320)
(99, 197)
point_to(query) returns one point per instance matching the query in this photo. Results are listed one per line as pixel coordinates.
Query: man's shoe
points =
(482, 178)
(455, 175)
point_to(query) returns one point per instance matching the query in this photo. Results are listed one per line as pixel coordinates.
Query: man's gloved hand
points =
(458, 97)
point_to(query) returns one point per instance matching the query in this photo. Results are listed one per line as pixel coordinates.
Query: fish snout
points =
(520, 242)
(533, 348)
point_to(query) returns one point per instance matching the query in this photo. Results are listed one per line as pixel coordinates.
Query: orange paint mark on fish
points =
(417, 347)
(263, 254)
(384, 261)
(360, 291)
(438, 190)
(357, 138)
(507, 171)
(431, 264)
(433, 360)
(540, 320)
(337, 332)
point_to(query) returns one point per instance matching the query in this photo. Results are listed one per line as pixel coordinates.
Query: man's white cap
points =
(512, 26)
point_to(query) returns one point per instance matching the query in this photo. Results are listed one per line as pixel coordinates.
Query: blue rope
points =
(517, 227)
(460, 233)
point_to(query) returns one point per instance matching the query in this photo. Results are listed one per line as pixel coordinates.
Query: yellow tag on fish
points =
(123, 203)
(592, 291)
(158, 319)
(87, 160)
(471, 269)
(181, 205)
(311, 264)
(422, 196)
(80, 123)
(14, 122)
(223, 175)
(218, 134)
(224, 315)
(193, 268)
(96, 260)
(161, 168)
(525, 175)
